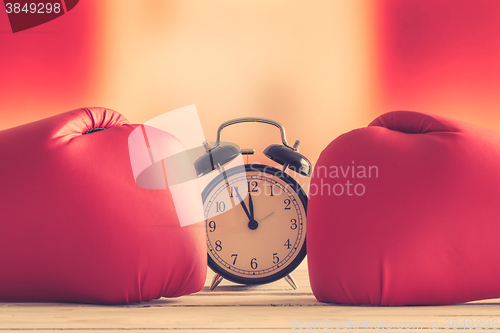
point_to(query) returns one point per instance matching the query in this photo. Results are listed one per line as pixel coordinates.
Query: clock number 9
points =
(294, 224)
(218, 245)
(287, 204)
(253, 263)
(212, 226)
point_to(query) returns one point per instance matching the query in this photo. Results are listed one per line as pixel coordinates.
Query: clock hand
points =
(250, 203)
(252, 224)
(265, 217)
(244, 206)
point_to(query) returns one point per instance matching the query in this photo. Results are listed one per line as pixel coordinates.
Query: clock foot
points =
(290, 281)
(215, 282)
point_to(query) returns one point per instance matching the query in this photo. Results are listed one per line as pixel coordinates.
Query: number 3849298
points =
(33, 8)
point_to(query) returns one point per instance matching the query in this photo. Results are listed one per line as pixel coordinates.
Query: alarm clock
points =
(255, 214)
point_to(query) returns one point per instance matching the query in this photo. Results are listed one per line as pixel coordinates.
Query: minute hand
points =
(250, 217)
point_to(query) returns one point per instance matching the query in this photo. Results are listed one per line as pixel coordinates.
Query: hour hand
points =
(250, 204)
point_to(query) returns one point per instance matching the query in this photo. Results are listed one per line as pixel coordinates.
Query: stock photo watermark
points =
(336, 180)
(439, 323)
(348, 180)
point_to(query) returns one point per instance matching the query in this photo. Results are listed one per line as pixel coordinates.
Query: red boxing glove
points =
(406, 212)
(74, 226)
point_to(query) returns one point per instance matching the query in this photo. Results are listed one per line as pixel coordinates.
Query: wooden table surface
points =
(274, 307)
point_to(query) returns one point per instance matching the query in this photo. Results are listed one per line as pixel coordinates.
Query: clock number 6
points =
(253, 263)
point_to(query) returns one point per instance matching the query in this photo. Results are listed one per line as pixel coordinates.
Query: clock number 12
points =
(252, 186)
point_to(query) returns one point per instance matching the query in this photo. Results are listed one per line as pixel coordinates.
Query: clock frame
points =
(221, 153)
(262, 249)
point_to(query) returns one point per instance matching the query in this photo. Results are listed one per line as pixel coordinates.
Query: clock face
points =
(256, 224)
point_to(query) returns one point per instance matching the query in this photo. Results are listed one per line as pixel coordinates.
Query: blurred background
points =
(320, 67)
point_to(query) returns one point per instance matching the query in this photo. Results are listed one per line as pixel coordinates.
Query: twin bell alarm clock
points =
(255, 214)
